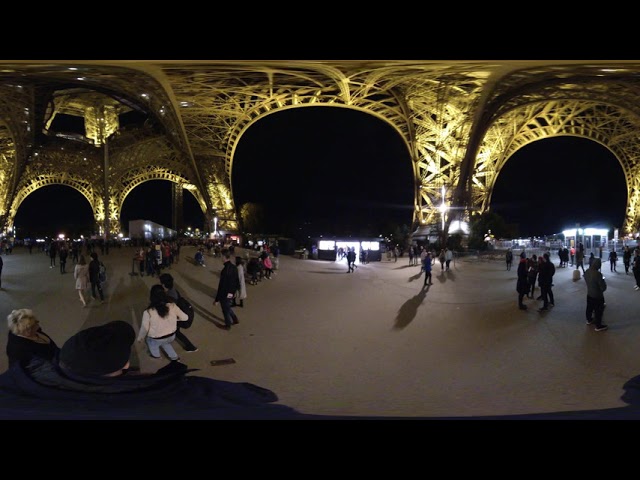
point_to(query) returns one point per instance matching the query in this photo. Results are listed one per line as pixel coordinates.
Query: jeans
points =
(155, 344)
(229, 315)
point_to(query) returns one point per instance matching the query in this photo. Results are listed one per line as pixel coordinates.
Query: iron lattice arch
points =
(460, 121)
(608, 125)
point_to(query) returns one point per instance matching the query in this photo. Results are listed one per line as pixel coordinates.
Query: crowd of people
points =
(93, 372)
(541, 269)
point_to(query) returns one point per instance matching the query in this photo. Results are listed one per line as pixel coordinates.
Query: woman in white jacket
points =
(159, 323)
(81, 274)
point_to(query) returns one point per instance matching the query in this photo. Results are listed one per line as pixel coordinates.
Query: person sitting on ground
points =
(92, 379)
(26, 338)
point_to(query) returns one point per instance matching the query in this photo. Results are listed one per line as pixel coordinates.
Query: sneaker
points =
(177, 359)
(589, 322)
(601, 328)
(189, 350)
(635, 287)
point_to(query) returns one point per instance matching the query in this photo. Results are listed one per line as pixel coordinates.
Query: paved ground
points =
(373, 342)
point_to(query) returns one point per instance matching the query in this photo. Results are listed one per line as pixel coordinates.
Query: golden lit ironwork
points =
(460, 120)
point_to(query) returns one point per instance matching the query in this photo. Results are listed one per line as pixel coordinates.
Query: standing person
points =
(591, 259)
(94, 277)
(81, 274)
(442, 258)
(426, 266)
(626, 259)
(545, 279)
(53, 251)
(532, 274)
(63, 254)
(242, 291)
(26, 339)
(613, 260)
(351, 259)
(580, 259)
(139, 259)
(572, 252)
(509, 258)
(227, 286)
(268, 266)
(448, 255)
(635, 268)
(522, 285)
(596, 287)
(160, 322)
(166, 280)
(276, 257)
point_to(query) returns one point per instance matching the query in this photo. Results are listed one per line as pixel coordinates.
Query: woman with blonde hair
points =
(81, 274)
(26, 339)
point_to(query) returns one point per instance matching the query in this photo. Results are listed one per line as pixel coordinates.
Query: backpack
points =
(184, 305)
(102, 273)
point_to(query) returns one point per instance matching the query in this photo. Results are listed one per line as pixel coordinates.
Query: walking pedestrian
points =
(166, 280)
(160, 322)
(509, 258)
(596, 287)
(448, 254)
(81, 275)
(94, 277)
(613, 260)
(227, 286)
(426, 266)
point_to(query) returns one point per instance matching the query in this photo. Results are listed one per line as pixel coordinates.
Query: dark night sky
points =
(342, 170)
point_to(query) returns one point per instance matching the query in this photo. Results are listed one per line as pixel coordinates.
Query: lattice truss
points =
(428, 105)
(460, 121)
(591, 105)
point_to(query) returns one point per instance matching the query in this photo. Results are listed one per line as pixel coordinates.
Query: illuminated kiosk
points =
(592, 238)
(328, 249)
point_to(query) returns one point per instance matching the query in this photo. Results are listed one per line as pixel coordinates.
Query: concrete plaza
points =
(373, 342)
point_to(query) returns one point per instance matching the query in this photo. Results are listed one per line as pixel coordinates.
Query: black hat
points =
(99, 350)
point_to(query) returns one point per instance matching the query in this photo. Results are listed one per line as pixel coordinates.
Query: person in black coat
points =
(227, 286)
(94, 277)
(26, 339)
(545, 280)
(522, 286)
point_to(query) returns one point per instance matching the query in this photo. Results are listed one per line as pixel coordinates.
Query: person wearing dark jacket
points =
(596, 287)
(545, 279)
(26, 339)
(522, 285)
(91, 379)
(227, 286)
(94, 277)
